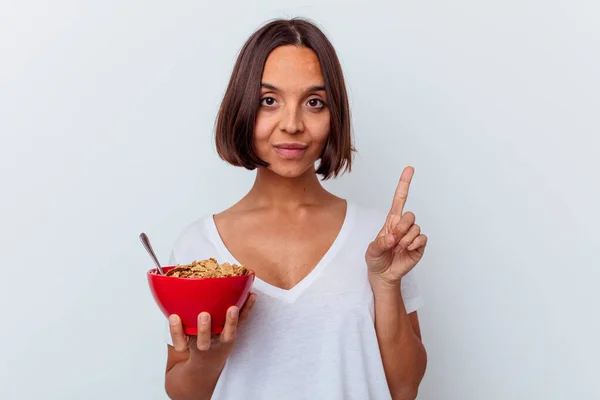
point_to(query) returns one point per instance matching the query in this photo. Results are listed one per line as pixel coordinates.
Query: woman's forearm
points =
(192, 380)
(404, 356)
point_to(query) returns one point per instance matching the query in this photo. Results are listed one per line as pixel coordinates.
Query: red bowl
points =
(188, 297)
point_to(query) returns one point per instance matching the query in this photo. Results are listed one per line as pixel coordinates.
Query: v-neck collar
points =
(289, 295)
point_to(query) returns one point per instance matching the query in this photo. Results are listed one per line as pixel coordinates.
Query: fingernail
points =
(173, 320)
(411, 247)
(233, 313)
(204, 318)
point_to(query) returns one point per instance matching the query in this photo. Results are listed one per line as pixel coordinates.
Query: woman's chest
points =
(281, 254)
(337, 302)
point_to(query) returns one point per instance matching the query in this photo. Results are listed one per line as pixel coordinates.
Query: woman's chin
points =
(291, 171)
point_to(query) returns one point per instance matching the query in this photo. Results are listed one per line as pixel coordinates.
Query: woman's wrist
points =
(382, 285)
(205, 363)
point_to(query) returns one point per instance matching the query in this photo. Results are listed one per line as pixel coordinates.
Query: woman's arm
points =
(398, 333)
(399, 246)
(195, 363)
(190, 377)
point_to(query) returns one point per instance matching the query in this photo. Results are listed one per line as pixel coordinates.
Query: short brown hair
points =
(237, 114)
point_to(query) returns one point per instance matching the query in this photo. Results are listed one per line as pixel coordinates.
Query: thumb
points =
(380, 245)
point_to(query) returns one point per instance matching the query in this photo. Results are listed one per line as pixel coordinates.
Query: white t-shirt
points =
(316, 340)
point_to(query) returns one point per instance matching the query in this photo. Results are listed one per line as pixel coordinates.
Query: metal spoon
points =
(148, 247)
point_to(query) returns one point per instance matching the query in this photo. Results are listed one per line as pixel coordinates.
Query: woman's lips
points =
(290, 152)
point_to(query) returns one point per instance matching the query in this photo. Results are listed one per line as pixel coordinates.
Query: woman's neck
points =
(272, 190)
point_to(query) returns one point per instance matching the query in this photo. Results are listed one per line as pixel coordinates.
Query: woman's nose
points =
(291, 120)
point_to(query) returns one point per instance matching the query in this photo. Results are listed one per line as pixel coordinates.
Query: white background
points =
(106, 121)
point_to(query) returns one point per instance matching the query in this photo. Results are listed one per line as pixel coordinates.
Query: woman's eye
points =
(268, 101)
(316, 103)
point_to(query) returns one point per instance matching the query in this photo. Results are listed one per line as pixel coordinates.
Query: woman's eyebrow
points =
(316, 88)
(269, 86)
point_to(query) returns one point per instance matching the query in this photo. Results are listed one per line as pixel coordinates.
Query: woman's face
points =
(292, 123)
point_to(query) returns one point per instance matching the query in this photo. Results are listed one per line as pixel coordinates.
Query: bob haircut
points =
(237, 114)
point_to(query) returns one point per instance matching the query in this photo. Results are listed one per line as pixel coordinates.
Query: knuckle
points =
(203, 330)
(245, 312)
(181, 347)
(230, 328)
(228, 339)
(176, 338)
(248, 309)
(177, 345)
(400, 195)
(203, 346)
(403, 229)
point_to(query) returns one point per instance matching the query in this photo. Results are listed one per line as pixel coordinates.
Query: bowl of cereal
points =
(202, 286)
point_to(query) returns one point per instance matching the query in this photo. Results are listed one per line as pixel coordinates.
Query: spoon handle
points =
(148, 246)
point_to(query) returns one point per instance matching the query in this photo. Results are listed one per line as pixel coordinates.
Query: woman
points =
(335, 316)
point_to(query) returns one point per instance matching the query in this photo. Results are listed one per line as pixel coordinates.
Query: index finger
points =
(177, 335)
(401, 193)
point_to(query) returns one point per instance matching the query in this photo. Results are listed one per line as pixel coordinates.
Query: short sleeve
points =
(410, 292)
(172, 259)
